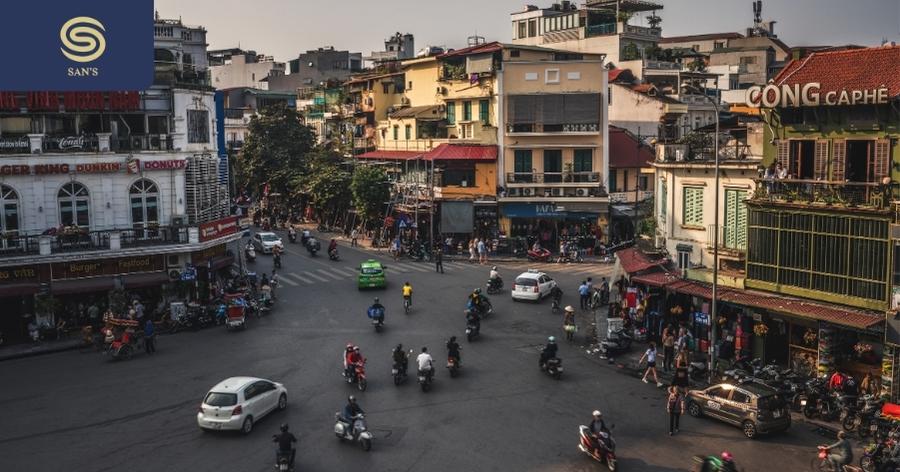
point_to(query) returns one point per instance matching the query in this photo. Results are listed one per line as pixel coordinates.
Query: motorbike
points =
(121, 348)
(425, 379)
(452, 366)
(333, 255)
(602, 450)
(357, 431)
(554, 305)
(398, 371)
(823, 464)
(250, 252)
(283, 461)
(543, 255)
(617, 342)
(313, 246)
(494, 286)
(553, 367)
(698, 370)
(277, 260)
(862, 419)
(377, 317)
(357, 375)
(292, 236)
(875, 455)
(473, 329)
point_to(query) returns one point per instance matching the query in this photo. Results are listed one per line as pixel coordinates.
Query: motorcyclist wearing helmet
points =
(721, 463)
(376, 311)
(476, 301)
(495, 279)
(353, 358)
(598, 426)
(401, 358)
(549, 351)
(351, 409)
(840, 453)
(285, 442)
(453, 351)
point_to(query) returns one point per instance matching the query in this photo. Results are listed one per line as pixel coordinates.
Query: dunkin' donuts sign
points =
(218, 228)
(810, 95)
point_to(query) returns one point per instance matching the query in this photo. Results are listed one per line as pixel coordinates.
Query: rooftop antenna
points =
(757, 13)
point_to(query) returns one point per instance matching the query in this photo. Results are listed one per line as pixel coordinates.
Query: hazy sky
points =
(284, 28)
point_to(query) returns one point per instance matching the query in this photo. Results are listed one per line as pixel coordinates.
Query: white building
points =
(231, 68)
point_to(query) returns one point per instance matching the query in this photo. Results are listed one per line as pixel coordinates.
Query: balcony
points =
(536, 129)
(642, 31)
(600, 30)
(553, 178)
(364, 143)
(411, 145)
(78, 240)
(630, 196)
(730, 238)
(857, 195)
(149, 142)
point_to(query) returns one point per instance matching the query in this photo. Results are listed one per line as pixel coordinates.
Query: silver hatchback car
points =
(237, 403)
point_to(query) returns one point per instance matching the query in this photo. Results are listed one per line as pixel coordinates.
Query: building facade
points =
(232, 68)
(317, 67)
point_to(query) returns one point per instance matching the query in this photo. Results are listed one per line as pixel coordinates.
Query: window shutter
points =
(740, 224)
(731, 208)
(839, 160)
(783, 153)
(882, 159)
(820, 171)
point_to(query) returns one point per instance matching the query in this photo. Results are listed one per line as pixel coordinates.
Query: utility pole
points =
(431, 193)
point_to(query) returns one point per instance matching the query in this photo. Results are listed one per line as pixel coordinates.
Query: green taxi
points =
(371, 275)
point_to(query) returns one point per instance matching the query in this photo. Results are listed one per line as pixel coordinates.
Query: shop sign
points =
(122, 265)
(541, 210)
(63, 168)
(14, 144)
(809, 95)
(70, 101)
(217, 229)
(18, 274)
(189, 274)
(171, 164)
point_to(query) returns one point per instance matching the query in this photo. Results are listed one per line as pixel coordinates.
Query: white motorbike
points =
(358, 431)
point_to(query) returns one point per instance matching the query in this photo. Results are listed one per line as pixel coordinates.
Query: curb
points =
(39, 352)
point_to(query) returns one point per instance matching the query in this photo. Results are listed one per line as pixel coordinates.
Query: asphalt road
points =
(80, 412)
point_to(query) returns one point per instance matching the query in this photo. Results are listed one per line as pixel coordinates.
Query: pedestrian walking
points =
(149, 337)
(354, 235)
(438, 259)
(675, 407)
(585, 293)
(482, 252)
(472, 250)
(680, 379)
(604, 291)
(650, 356)
(668, 342)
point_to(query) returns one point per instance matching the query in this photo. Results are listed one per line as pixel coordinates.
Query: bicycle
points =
(407, 304)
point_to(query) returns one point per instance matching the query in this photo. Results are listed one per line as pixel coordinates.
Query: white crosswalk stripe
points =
(346, 271)
(287, 281)
(317, 277)
(301, 278)
(336, 277)
(414, 267)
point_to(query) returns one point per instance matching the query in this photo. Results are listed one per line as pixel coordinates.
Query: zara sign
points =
(810, 95)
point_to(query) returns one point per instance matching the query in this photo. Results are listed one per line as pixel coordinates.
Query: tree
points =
(275, 151)
(630, 52)
(327, 184)
(370, 191)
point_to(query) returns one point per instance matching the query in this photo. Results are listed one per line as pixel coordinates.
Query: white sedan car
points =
(532, 285)
(237, 402)
(265, 242)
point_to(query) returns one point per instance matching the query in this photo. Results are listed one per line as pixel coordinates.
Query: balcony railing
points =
(868, 195)
(550, 129)
(730, 238)
(599, 30)
(642, 31)
(552, 177)
(12, 244)
(630, 196)
(148, 142)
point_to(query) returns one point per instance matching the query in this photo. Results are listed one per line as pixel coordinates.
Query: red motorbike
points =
(358, 375)
(606, 452)
(541, 255)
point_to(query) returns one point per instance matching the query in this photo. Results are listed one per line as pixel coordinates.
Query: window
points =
(198, 126)
(642, 182)
(467, 111)
(532, 28)
(693, 206)
(9, 210)
(695, 47)
(144, 197)
(484, 111)
(684, 260)
(624, 180)
(74, 203)
(408, 132)
(396, 132)
(612, 180)
(515, 53)
(386, 87)
(740, 397)
(718, 45)
(663, 205)
(551, 76)
(451, 113)
(552, 165)
(747, 60)
(583, 162)
(609, 95)
(522, 165)
(409, 85)
(523, 30)
(734, 234)
(459, 175)
(220, 399)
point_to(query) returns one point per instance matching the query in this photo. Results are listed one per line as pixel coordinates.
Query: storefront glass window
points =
(9, 204)
(74, 204)
(144, 198)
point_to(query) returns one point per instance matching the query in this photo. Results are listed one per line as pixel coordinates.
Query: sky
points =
(284, 28)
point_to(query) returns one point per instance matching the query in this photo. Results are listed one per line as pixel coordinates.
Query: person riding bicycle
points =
(376, 311)
(401, 358)
(453, 350)
(407, 293)
(840, 453)
(286, 442)
(556, 294)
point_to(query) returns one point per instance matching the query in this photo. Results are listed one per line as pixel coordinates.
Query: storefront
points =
(550, 223)
(17, 288)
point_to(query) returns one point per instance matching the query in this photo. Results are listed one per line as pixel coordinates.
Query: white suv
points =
(532, 285)
(237, 402)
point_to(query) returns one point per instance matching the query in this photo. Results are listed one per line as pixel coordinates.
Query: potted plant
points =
(760, 330)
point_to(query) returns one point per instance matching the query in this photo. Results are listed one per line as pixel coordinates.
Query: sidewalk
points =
(18, 351)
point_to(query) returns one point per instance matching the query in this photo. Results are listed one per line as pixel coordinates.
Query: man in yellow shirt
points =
(407, 294)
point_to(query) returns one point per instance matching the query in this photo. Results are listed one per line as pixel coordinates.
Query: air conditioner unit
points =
(179, 220)
(582, 192)
(513, 192)
(404, 101)
(556, 192)
(441, 90)
(527, 191)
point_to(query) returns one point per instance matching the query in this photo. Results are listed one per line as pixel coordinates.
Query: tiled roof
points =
(625, 151)
(478, 49)
(391, 155)
(614, 74)
(657, 279)
(700, 37)
(462, 152)
(854, 69)
(633, 260)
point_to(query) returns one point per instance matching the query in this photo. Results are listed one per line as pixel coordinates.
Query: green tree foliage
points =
(327, 184)
(370, 191)
(275, 151)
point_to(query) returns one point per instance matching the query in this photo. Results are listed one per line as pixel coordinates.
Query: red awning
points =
(151, 279)
(462, 152)
(633, 260)
(391, 155)
(656, 279)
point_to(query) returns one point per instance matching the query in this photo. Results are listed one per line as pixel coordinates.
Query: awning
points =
(633, 260)
(93, 284)
(391, 155)
(656, 279)
(151, 279)
(221, 262)
(12, 290)
(462, 152)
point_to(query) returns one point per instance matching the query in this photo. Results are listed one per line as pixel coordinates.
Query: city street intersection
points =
(80, 412)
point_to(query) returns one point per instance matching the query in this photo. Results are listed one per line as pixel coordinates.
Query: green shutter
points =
(663, 199)
(693, 206)
(467, 111)
(612, 180)
(523, 161)
(451, 113)
(484, 111)
(583, 161)
(735, 231)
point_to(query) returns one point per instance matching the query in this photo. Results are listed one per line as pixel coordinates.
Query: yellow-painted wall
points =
(485, 184)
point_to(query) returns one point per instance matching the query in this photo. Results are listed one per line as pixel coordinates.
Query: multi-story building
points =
(317, 67)
(372, 96)
(106, 189)
(243, 103)
(232, 68)
(396, 48)
(630, 183)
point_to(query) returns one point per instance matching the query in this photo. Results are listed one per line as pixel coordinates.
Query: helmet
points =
(376, 299)
(597, 414)
(351, 399)
(569, 309)
(726, 456)
(477, 291)
(356, 348)
(349, 346)
(399, 347)
(494, 268)
(424, 349)
(284, 427)
(551, 339)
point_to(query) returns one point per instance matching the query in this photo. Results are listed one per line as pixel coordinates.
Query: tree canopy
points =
(370, 191)
(327, 183)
